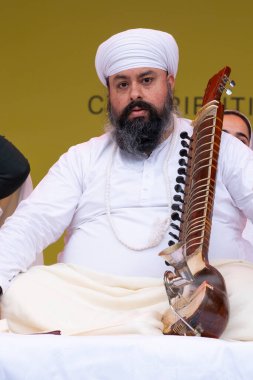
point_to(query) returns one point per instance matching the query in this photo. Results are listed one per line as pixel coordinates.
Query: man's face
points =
(140, 108)
(147, 84)
(237, 127)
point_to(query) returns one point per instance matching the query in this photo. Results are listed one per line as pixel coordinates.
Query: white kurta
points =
(248, 231)
(73, 196)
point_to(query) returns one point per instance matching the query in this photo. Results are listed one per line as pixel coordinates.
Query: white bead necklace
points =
(163, 226)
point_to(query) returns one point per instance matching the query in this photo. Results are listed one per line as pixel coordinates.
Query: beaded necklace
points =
(163, 226)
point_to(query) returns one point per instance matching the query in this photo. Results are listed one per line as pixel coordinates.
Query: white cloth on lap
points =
(238, 276)
(81, 302)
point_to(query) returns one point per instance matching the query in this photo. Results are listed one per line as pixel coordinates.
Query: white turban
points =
(137, 48)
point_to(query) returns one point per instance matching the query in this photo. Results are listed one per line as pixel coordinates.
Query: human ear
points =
(171, 81)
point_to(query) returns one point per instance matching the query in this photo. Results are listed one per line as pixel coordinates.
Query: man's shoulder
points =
(232, 147)
(95, 143)
(96, 140)
(231, 142)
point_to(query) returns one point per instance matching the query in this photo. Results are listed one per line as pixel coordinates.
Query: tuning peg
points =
(231, 84)
(182, 162)
(179, 189)
(180, 179)
(184, 135)
(183, 153)
(184, 144)
(175, 216)
(176, 207)
(174, 236)
(178, 198)
(181, 171)
(175, 226)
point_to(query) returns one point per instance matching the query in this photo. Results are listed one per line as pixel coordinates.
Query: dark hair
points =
(242, 116)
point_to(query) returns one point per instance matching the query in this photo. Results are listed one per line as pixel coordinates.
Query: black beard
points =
(140, 136)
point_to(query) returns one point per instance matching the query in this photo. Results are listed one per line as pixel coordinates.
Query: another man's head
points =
(238, 125)
(139, 67)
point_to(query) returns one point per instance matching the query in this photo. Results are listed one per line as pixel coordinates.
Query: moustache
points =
(134, 104)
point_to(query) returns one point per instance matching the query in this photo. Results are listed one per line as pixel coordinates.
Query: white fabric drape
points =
(81, 302)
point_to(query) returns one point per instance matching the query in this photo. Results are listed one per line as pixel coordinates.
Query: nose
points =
(135, 91)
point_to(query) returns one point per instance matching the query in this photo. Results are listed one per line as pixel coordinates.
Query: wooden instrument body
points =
(197, 295)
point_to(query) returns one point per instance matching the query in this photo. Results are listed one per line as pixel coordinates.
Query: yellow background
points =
(47, 72)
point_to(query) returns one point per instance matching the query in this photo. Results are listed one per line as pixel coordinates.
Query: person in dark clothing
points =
(14, 168)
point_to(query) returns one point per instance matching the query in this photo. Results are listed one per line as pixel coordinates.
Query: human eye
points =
(243, 140)
(122, 85)
(147, 80)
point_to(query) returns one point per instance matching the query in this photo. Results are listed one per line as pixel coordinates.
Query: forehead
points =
(136, 72)
(235, 123)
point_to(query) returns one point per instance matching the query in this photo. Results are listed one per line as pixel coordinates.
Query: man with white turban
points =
(238, 125)
(113, 194)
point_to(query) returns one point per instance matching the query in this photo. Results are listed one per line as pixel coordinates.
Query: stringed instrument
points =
(196, 290)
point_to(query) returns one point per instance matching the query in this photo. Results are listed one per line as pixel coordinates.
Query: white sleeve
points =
(41, 219)
(236, 164)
